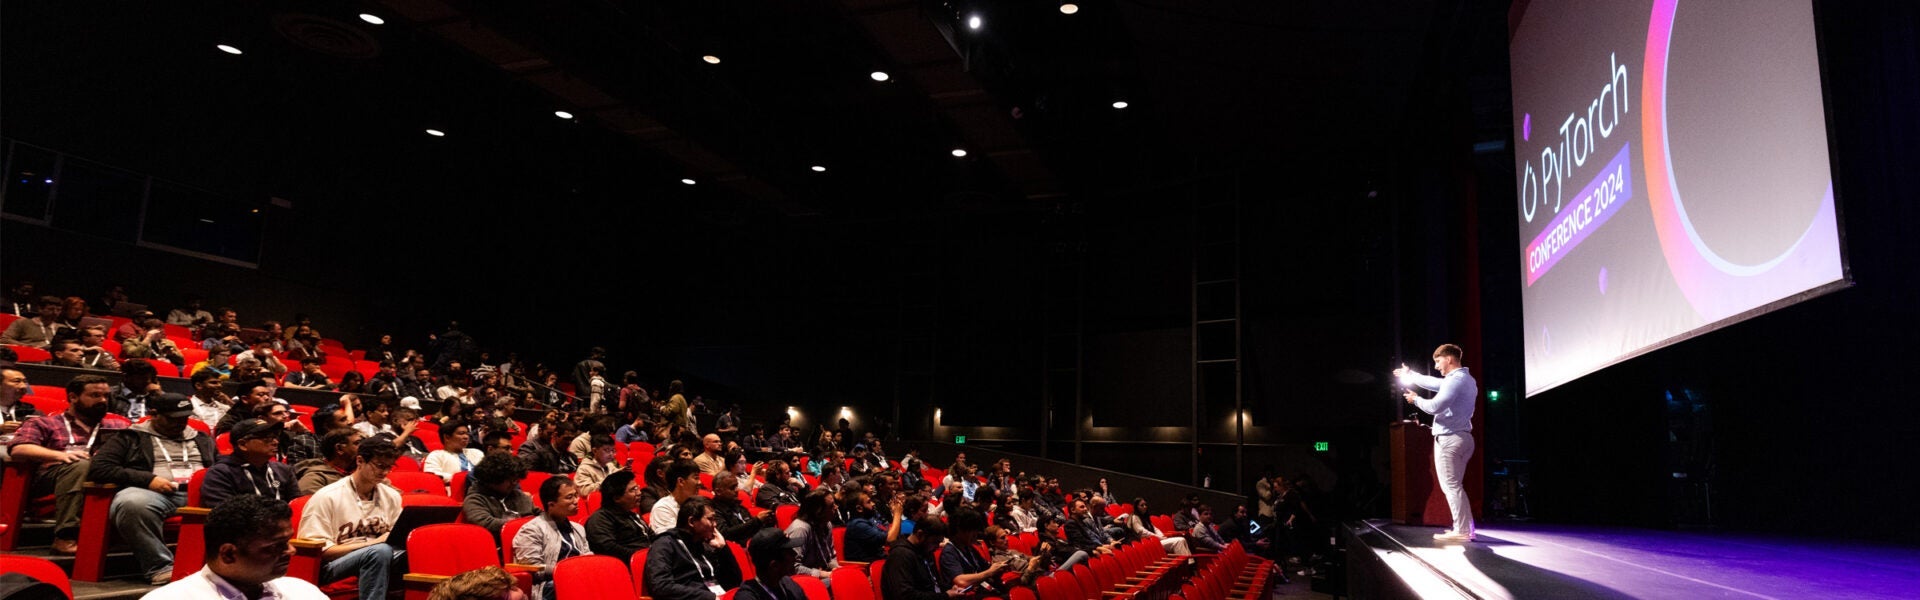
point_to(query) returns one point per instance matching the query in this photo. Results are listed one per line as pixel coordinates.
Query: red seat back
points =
(414, 482)
(879, 570)
(407, 464)
(850, 583)
(532, 485)
(193, 487)
(37, 568)
(29, 354)
(450, 549)
(592, 577)
(507, 532)
(1051, 588)
(746, 564)
(784, 513)
(638, 565)
(813, 587)
(459, 486)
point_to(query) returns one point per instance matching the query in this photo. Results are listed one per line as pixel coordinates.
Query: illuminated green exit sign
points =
(1320, 446)
(959, 439)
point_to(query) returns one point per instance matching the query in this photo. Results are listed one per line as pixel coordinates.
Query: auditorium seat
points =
(459, 486)
(8, 319)
(406, 464)
(436, 553)
(507, 531)
(415, 482)
(740, 556)
(193, 355)
(878, 570)
(783, 515)
(179, 331)
(815, 589)
(37, 568)
(588, 504)
(532, 485)
(165, 369)
(637, 570)
(190, 554)
(850, 583)
(16, 482)
(592, 577)
(30, 354)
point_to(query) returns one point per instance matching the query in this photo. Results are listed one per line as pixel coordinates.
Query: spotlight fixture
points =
(1120, 104)
(973, 22)
(819, 169)
(436, 133)
(372, 19)
(711, 59)
(1069, 8)
(959, 153)
(687, 181)
(563, 114)
(228, 49)
(880, 76)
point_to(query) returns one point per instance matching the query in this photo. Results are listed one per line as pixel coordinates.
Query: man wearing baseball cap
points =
(773, 555)
(250, 469)
(152, 463)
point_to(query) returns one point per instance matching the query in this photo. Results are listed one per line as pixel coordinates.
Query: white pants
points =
(1450, 455)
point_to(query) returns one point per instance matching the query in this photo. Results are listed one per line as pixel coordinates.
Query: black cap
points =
(253, 428)
(768, 541)
(173, 405)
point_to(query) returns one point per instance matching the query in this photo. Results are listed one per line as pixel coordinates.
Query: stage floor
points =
(1509, 560)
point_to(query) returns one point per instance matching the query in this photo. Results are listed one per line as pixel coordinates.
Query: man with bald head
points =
(710, 460)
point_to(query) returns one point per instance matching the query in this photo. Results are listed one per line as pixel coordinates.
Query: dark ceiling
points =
(319, 95)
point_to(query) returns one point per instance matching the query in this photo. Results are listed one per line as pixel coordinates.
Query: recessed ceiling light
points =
(959, 153)
(880, 76)
(256, 211)
(711, 59)
(819, 169)
(436, 133)
(1120, 104)
(563, 114)
(228, 49)
(973, 22)
(372, 20)
(1069, 8)
(687, 181)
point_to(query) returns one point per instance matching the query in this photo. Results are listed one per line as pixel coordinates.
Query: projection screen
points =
(1672, 173)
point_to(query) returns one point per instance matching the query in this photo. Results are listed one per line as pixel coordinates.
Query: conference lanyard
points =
(272, 482)
(182, 471)
(708, 574)
(772, 595)
(72, 439)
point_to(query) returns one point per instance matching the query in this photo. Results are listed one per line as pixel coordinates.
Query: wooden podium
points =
(1411, 448)
(1416, 488)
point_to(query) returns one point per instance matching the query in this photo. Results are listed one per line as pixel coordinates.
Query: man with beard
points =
(63, 445)
(152, 463)
(247, 548)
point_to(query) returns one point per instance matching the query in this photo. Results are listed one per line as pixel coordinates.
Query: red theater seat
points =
(592, 577)
(37, 568)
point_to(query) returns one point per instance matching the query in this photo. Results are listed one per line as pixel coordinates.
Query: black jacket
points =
(909, 574)
(617, 533)
(736, 521)
(787, 589)
(671, 574)
(1086, 536)
(230, 477)
(545, 458)
(125, 456)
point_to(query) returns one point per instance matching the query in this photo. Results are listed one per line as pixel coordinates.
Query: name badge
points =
(182, 473)
(714, 586)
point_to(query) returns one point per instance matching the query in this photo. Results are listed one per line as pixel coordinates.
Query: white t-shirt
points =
(205, 584)
(337, 515)
(445, 464)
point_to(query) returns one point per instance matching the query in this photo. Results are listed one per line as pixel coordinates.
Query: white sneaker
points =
(1452, 537)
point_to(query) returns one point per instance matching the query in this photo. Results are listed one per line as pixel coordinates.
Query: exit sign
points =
(1320, 446)
(959, 439)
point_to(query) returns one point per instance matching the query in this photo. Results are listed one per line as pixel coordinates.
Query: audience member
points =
(246, 556)
(910, 566)
(591, 472)
(36, 331)
(773, 557)
(494, 495)
(486, 583)
(616, 528)
(351, 519)
(453, 456)
(341, 448)
(813, 527)
(250, 470)
(62, 445)
(684, 564)
(152, 462)
(552, 537)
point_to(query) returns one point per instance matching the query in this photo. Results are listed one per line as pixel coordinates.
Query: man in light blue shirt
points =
(1452, 410)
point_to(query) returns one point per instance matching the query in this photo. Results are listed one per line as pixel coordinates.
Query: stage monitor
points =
(1672, 173)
